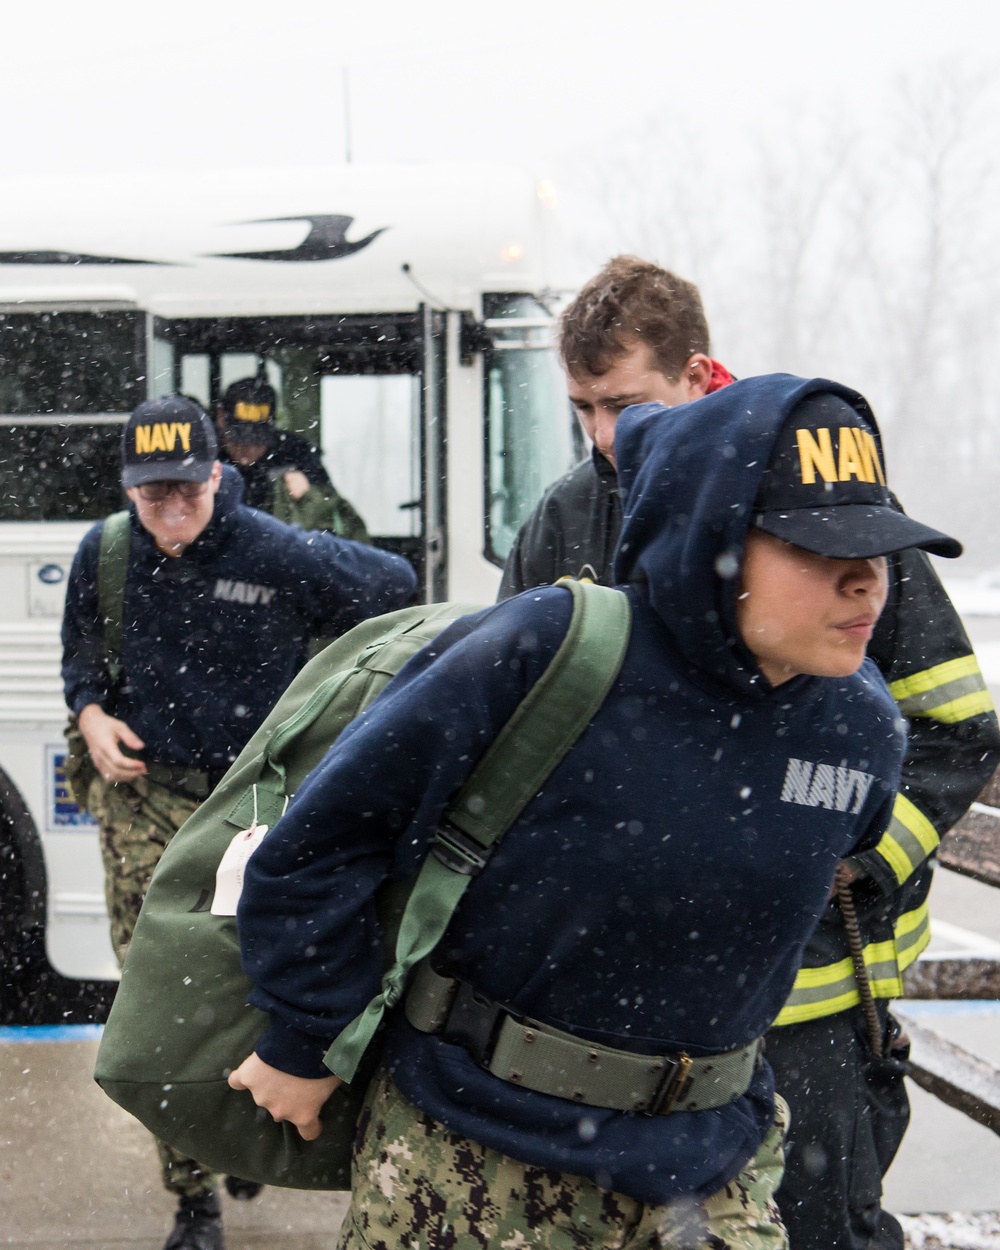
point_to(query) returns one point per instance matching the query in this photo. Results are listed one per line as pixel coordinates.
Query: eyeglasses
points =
(156, 492)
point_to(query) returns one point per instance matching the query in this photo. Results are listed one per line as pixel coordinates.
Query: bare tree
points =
(858, 248)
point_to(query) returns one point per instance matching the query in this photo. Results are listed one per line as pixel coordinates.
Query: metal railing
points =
(953, 1074)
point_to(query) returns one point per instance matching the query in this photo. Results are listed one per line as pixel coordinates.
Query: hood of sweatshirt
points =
(688, 478)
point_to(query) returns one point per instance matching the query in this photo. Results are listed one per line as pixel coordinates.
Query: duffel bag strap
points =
(112, 570)
(194, 782)
(514, 768)
(539, 1057)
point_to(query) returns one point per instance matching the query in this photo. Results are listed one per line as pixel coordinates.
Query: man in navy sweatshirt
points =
(220, 604)
(637, 333)
(654, 899)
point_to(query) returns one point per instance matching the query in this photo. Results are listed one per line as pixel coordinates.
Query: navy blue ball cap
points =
(249, 407)
(825, 489)
(168, 440)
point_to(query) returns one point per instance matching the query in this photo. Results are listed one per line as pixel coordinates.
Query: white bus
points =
(403, 316)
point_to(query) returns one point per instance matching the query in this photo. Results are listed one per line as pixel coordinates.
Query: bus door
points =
(366, 390)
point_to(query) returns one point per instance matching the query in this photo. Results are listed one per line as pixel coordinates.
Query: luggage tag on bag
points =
(232, 866)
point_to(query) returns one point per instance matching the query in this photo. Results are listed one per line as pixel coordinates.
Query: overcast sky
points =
(119, 85)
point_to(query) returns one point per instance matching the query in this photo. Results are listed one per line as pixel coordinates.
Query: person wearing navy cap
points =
(219, 605)
(648, 911)
(282, 471)
(635, 333)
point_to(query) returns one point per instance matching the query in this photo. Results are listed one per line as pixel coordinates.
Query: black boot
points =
(198, 1225)
(242, 1190)
(888, 1235)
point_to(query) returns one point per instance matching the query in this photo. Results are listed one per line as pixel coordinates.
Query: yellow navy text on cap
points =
(857, 456)
(162, 436)
(253, 413)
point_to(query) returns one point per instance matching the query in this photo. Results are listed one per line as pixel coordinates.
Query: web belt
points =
(545, 1059)
(194, 782)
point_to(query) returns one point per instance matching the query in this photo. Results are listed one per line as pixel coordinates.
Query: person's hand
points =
(297, 1099)
(297, 483)
(103, 735)
(847, 874)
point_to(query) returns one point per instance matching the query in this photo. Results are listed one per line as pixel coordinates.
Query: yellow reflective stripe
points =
(801, 1013)
(829, 974)
(909, 839)
(911, 922)
(881, 953)
(965, 708)
(931, 678)
(913, 934)
(824, 991)
(892, 852)
(949, 692)
(820, 992)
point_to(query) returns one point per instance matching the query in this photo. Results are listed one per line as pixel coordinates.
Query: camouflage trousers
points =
(137, 819)
(418, 1186)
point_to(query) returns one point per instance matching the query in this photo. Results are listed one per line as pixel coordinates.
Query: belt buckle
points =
(672, 1086)
(473, 1022)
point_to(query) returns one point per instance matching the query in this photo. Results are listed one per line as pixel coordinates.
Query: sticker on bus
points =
(62, 813)
(47, 589)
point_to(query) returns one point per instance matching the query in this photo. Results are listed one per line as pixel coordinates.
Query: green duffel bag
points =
(180, 1021)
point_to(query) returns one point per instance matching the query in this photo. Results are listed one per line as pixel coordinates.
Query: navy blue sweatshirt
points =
(657, 894)
(212, 638)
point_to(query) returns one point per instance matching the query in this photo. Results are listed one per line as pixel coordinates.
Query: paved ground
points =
(77, 1171)
(952, 1232)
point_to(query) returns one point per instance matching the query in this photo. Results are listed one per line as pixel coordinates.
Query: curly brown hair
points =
(633, 299)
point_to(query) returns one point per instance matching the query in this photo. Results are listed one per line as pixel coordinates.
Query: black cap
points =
(249, 411)
(825, 489)
(168, 440)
